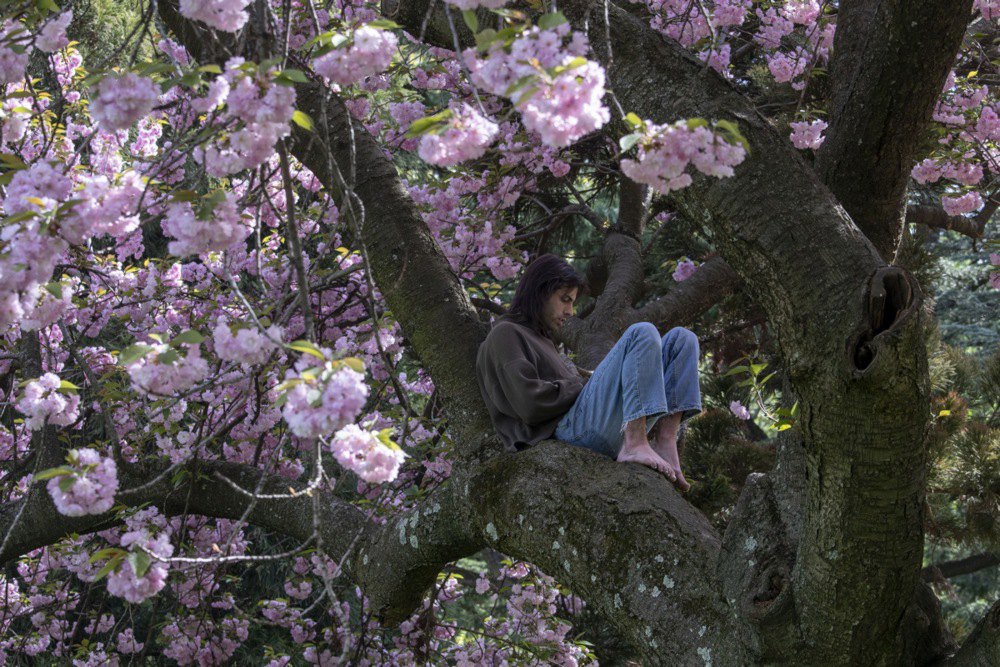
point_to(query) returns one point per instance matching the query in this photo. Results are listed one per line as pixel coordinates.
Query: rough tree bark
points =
(890, 60)
(821, 562)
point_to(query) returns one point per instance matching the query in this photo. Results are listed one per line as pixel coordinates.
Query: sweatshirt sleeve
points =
(533, 399)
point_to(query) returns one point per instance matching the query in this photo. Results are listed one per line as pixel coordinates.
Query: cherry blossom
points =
(120, 101)
(44, 401)
(226, 15)
(807, 134)
(466, 136)
(368, 51)
(366, 455)
(88, 485)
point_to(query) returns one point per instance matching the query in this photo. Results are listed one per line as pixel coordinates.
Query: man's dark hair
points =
(543, 276)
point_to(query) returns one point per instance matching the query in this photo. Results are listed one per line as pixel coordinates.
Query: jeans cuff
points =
(656, 413)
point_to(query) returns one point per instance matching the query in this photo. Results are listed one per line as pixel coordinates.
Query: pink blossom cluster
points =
(988, 124)
(666, 151)
(364, 454)
(801, 12)
(558, 92)
(786, 67)
(717, 58)
(466, 136)
(990, 9)
(730, 12)
(12, 63)
(243, 344)
(120, 101)
(41, 187)
(89, 487)
(222, 228)
(739, 410)
(198, 640)
(225, 15)
(995, 276)
(166, 371)
(320, 401)
(685, 269)
(966, 203)
(43, 402)
(773, 26)
(930, 171)
(263, 109)
(125, 581)
(368, 51)
(680, 20)
(52, 36)
(807, 134)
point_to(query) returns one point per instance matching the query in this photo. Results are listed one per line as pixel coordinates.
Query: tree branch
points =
(936, 218)
(713, 281)
(960, 566)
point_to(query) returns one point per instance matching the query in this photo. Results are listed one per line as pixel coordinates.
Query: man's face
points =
(558, 308)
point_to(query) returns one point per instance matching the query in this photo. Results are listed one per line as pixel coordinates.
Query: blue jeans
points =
(642, 376)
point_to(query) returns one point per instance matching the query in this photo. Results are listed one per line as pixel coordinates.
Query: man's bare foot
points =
(663, 440)
(644, 454)
(679, 480)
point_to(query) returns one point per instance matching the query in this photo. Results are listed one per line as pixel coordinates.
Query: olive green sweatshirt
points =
(527, 385)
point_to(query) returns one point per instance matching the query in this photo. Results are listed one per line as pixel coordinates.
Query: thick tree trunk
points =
(890, 60)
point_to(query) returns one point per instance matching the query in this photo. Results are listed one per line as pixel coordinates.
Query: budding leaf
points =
(302, 120)
(307, 348)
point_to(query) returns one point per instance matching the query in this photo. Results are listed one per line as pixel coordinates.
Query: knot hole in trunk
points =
(890, 300)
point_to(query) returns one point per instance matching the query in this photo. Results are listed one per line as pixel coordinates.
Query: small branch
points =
(960, 566)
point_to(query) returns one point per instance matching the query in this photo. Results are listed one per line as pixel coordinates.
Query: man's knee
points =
(644, 331)
(681, 337)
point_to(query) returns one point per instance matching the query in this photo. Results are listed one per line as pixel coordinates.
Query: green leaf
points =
(485, 38)
(66, 385)
(306, 347)
(469, 16)
(12, 161)
(55, 289)
(157, 68)
(43, 475)
(633, 119)
(140, 562)
(109, 552)
(354, 364)
(728, 126)
(210, 69)
(66, 483)
(694, 123)
(784, 427)
(168, 357)
(110, 566)
(384, 438)
(187, 337)
(519, 84)
(298, 76)
(302, 120)
(579, 61)
(383, 24)
(629, 140)
(49, 5)
(735, 370)
(548, 21)
(133, 353)
(428, 124)
(756, 369)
